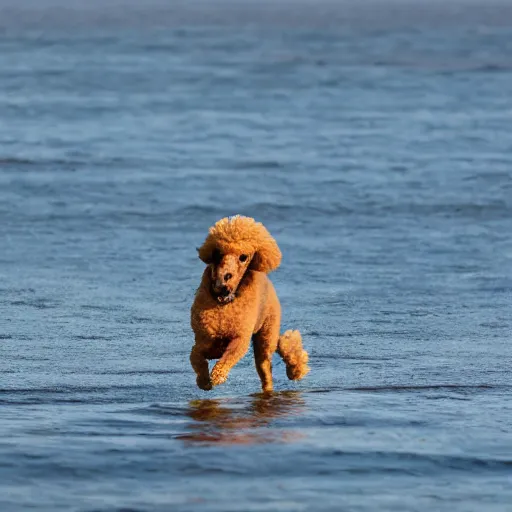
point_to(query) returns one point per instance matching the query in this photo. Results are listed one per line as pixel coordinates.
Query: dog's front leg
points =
(200, 366)
(236, 349)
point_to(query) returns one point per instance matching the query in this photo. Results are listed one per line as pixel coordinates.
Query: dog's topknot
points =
(242, 235)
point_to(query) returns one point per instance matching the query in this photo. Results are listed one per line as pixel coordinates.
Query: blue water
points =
(372, 138)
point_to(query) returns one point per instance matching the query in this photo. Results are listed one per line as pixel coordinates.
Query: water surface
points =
(373, 140)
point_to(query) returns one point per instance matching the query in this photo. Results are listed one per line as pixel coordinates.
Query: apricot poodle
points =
(236, 301)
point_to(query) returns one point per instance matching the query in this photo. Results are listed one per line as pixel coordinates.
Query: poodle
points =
(236, 301)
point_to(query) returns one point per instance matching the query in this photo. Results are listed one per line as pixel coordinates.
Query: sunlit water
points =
(373, 140)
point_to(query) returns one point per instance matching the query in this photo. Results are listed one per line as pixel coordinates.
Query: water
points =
(374, 142)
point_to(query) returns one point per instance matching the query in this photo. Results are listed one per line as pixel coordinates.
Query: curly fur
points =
(236, 301)
(242, 235)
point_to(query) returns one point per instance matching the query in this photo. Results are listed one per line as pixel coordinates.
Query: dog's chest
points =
(221, 322)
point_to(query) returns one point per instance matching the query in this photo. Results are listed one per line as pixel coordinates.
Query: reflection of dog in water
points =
(215, 421)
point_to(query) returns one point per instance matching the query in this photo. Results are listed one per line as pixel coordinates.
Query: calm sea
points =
(373, 139)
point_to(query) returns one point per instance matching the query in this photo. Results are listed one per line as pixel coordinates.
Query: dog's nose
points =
(227, 277)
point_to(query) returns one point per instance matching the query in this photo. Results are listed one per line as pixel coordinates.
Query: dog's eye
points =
(216, 256)
(243, 258)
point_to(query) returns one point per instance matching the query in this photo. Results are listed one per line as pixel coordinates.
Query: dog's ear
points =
(209, 253)
(207, 261)
(267, 258)
(205, 253)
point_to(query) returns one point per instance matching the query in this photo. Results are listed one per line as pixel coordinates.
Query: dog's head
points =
(227, 271)
(233, 246)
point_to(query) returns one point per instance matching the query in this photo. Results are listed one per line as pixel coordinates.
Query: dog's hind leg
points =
(265, 344)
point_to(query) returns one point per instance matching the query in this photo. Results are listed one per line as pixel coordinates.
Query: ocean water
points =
(374, 141)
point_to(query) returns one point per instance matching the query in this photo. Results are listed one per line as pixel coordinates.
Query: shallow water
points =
(373, 140)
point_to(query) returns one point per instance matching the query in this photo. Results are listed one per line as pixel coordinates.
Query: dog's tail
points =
(293, 354)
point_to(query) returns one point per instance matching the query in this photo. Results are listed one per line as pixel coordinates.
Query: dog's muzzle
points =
(223, 294)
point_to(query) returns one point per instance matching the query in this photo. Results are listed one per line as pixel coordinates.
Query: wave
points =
(16, 161)
(259, 165)
(65, 389)
(426, 387)
(400, 388)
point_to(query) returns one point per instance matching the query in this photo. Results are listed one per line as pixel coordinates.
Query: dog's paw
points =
(218, 376)
(204, 384)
